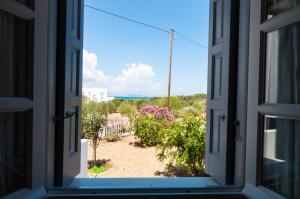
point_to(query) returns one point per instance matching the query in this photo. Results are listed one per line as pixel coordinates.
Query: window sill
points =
(142, 183)
(144, 187)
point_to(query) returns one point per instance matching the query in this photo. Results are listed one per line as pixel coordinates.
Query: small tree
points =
(94, 118)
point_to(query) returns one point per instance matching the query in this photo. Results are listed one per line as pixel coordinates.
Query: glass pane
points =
(15, 57)
(283, 65)
(281, 156)
(14, 131)
(275, 7)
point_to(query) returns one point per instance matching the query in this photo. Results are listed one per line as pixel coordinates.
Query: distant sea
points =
(131, 97)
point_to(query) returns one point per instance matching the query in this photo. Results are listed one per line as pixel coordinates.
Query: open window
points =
(273, 99)
(222, 96)
(221, 103)
(40, 103)
(222, 123)
(68, 90)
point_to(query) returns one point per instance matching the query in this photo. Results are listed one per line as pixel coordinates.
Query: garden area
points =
(143, 138)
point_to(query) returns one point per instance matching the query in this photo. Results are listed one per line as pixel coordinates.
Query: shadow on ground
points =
(137, 144)
(98, 163)
(174, 171)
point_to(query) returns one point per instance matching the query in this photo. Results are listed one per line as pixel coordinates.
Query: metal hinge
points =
(236, 124)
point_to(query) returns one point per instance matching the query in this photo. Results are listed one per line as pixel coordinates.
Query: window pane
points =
(281, 156)
(15, 57)
(275, 7)
(14, 131)
(283, 65)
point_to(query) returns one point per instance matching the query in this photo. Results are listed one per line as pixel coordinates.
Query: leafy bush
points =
(200, 96)
(127, 109)
(175, 102)
(98, 169)
(94, 107)
(112, 137)
(111, 107)
(141, 103)
(117, 102)
(184, 143)
(147, 129)
(200, 105)
(149, 123)
(189, 110)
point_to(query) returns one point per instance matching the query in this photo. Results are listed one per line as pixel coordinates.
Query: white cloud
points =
(91, 74)
(135, 79)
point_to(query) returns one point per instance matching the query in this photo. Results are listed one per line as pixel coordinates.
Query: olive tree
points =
(94, 119)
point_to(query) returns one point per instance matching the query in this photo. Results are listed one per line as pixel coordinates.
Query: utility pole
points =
(170, 68)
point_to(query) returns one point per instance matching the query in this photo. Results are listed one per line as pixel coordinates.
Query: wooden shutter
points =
(221, 90)
(68, 97)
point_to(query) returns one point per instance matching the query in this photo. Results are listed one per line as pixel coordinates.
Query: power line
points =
(190, 40)
(147, 25)
(128, 19)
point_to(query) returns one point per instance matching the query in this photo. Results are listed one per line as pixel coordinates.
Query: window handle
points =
(222, 117)
(69, 114)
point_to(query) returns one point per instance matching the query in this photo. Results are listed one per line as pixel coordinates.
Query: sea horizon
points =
(132, 97)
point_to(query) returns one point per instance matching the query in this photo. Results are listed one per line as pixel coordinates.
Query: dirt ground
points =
(124, 159)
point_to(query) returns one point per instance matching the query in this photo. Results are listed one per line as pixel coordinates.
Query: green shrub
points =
(98, 169)
(127, 109)
(200, 96)
(117, 102)
(112, 137)
(111, 107)
(200, 105)
(94, 107)
(184, 143)
(175, 102)
(189, 110)
(124, 129)
(141, 103)
(147, 129)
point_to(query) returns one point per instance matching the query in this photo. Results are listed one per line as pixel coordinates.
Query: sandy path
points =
(126, 160)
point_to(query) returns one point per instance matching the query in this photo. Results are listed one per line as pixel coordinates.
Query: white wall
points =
(84, 159)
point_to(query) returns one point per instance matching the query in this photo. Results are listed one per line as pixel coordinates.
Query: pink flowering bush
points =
(158, 112)
(149, 124)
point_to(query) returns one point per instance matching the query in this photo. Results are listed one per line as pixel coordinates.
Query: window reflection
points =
(15, 57)
(281, 156)
(14, 129)
(283, 65)
(275, 7)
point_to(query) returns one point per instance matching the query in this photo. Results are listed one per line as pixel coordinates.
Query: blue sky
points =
(130, 59)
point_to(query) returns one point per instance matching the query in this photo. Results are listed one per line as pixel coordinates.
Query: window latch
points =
(222, 117)
(236, 124)
(67, 115)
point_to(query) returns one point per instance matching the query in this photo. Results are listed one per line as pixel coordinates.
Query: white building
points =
(97, 94)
